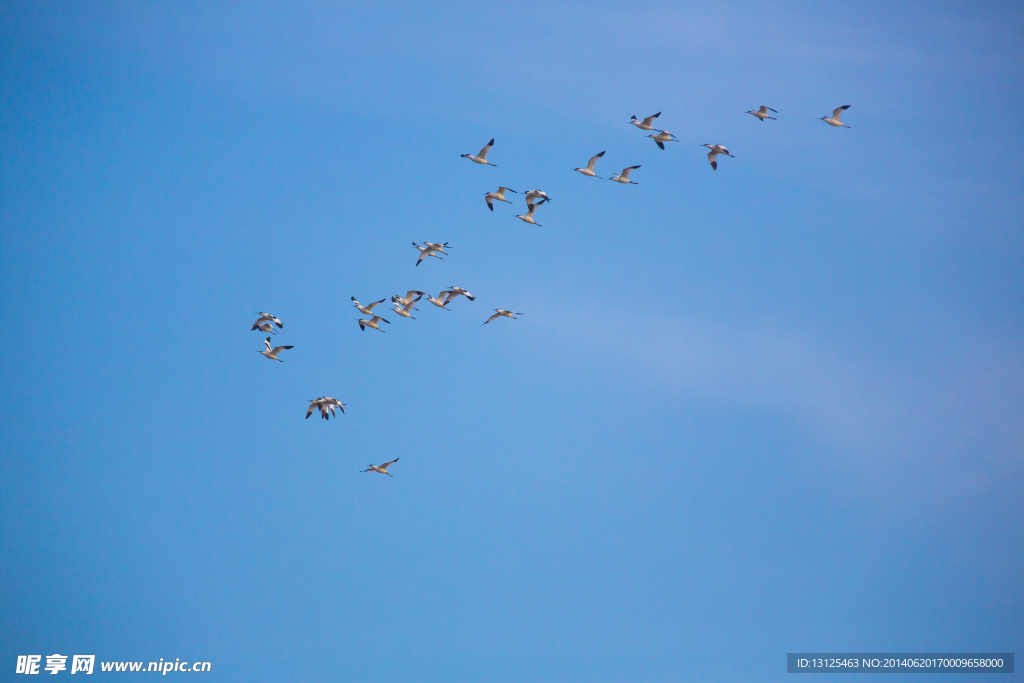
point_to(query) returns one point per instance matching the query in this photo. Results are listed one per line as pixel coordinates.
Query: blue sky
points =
(768, 409)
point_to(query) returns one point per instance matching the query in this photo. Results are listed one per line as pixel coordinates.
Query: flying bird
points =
(646, 123)
(404, 300)
(404, 310)
(265, 327)
(429, 250)
(836, 113)
(372, 322)
(498, 313)
(368, 308)
(481, 157)
(490, 197)
(762, 113)
(440, 300)
(533, 195)
(271, 353)
(326, 407)
(713, 154)
(383, 469)
(266, 317)
(457, 291)
(589, 170)
(528, 218)
(662, 137)
(624, 176)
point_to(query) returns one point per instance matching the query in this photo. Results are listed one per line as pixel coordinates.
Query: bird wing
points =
(280, 348)
(769, 109)
(408, 295)
(650, 119)
(370, 307)
(593, 160)
(267, 342)
(388, 464)
(486, 149)
(496, 315)
(312, 407)
(490, 202)
(659, 143)
(377, 318)
(837, 112)
(626, 171)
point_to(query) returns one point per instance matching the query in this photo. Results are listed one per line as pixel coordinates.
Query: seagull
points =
(762, 113)
(428, 250)
(264, 317)
(368, 308)
(533, 195)
(271, 353)
(646, 123)
(265, 327)
(481, 158)
(404, 309)
(383, 469)
(624, 176)
(499, 313)
(326, 407)
(456, 291)
(662, 137)
(404, 300)
(489, 197)
(372, 322)
(528, 218)
(836, 113)
(441, 300)
(713, 154)
(589, 170)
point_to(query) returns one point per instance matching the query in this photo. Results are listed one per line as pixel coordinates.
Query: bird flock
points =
(404, 306)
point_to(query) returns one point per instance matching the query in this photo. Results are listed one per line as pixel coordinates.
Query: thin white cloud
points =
(955, 429)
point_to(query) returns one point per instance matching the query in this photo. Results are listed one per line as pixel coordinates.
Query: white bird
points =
(372, 322)
(662, 137)
(624, 176)
(528, 218)
(271, 353)
(368, 308)
(589, 170)
(440, 300)
(762, 113)
(481, 158)
(326, 407)
(404, 310)
(533, 195)
(429, 250)
(490, 197)
(836, 113)
(437, 247)
(713, 154)
(265, 317)
(646, 123)
(404, 300)
(456, 291)
(498, 313)
(383, 469)
(265, 327)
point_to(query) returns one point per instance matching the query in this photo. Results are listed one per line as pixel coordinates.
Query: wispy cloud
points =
(951, 423)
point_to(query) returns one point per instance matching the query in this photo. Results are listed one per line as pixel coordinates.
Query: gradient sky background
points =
(774, 408)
